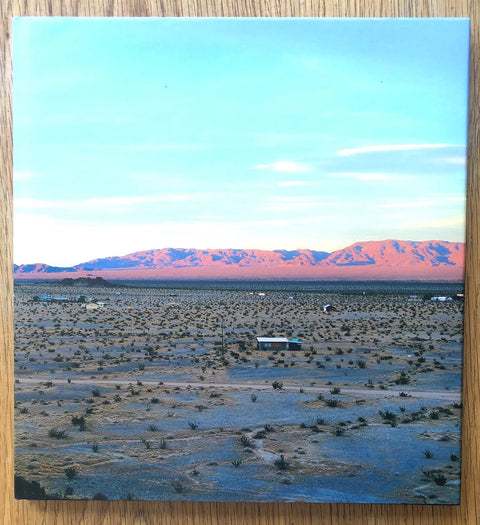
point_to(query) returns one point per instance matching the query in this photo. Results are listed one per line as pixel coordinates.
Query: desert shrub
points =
(331, 403)
(428, 453)
(335, 390)
(29, 489)
(253, 397)
(277, 385)
(152, 427)
(281, 463)
(96, 392)
(193, 425)
(100, 496)
(246, 441)
(388, 417)
(177, 485)
(402, 379)
(71, 472)
(438, 478)
(95, 447)
(236, 462)
(57, 433)
(79, 422)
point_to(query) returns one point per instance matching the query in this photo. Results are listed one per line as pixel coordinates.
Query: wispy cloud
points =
(99, 202)
(364, 176)
(445, 223)
(285, 166)
(391, 147)
(437, 202)
(132, 201)
(409, 204)
(456, 161)
(292, 202)
(23, 175)
(160, 147)
(293, 183)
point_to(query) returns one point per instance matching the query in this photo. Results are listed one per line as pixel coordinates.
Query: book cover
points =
(239, 258)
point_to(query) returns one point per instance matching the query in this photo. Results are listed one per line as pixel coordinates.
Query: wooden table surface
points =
(176, 513)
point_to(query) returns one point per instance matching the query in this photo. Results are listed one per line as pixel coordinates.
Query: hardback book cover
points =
(239, 258)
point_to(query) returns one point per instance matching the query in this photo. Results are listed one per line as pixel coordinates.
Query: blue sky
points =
(132, 134)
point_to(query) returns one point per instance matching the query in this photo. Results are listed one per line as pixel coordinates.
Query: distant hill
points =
(87, 282)
(371, 260)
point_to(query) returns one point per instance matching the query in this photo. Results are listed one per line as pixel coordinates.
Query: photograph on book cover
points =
(239, 258)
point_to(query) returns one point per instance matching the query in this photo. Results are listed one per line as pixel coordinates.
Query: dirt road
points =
(290, 387)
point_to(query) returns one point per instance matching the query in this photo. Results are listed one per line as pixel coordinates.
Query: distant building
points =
(91, 306)
(278, 343)
(272, 343)
(50, 299)
(441, 299)
(327, 308)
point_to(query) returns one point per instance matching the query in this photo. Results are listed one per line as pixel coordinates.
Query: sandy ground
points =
(140, 399)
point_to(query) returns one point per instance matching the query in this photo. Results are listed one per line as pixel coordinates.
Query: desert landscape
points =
(160, 392)
(239, 254)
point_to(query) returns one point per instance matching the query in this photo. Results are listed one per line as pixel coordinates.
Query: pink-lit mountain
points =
(371, 260)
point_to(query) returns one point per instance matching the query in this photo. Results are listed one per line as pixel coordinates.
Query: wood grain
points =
(170, 513)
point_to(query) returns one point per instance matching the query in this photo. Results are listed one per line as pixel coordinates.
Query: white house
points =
(272, 343)
(278, 343)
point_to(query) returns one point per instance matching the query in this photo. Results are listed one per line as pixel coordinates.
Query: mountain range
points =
(370, 260)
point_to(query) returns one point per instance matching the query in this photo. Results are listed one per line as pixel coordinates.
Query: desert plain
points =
(160, 392)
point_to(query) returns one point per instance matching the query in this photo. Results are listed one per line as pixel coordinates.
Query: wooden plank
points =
(170, 513)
